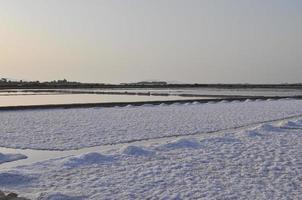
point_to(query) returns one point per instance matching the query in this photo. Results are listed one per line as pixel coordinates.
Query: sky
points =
(187, 41)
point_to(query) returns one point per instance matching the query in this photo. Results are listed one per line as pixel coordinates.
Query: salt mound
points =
(253, 134)
(268, 128)
(183, 144)
(89, 159)
(129, 106)
(147, 105)
(286, 99)
(248, 100)
(137, 151)
(299, 122)
(11, 157)
(290, 124)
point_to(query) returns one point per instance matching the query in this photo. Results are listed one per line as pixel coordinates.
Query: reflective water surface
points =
(53, 99)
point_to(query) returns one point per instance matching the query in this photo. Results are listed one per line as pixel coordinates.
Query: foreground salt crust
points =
(261, 162)
(64, 129)
(11, 157)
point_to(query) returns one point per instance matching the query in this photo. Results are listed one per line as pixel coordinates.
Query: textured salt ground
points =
(62, 129)
(262, 162)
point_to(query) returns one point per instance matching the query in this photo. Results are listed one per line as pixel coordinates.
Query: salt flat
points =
(261, 162)
(66, 129)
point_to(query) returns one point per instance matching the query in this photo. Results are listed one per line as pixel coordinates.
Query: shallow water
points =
(71, 96)
(54, 99)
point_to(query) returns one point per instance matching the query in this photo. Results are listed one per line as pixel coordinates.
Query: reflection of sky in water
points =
(15, 100)
(63, 96)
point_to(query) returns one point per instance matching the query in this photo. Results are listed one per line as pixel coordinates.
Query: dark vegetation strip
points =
(70, 85)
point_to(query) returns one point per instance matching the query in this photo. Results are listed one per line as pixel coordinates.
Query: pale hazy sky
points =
(206, 41)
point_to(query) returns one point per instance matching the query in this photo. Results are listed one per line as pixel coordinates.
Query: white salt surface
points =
(261, 162)
(66, 129)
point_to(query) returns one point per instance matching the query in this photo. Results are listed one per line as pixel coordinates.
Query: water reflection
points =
(53, 99)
